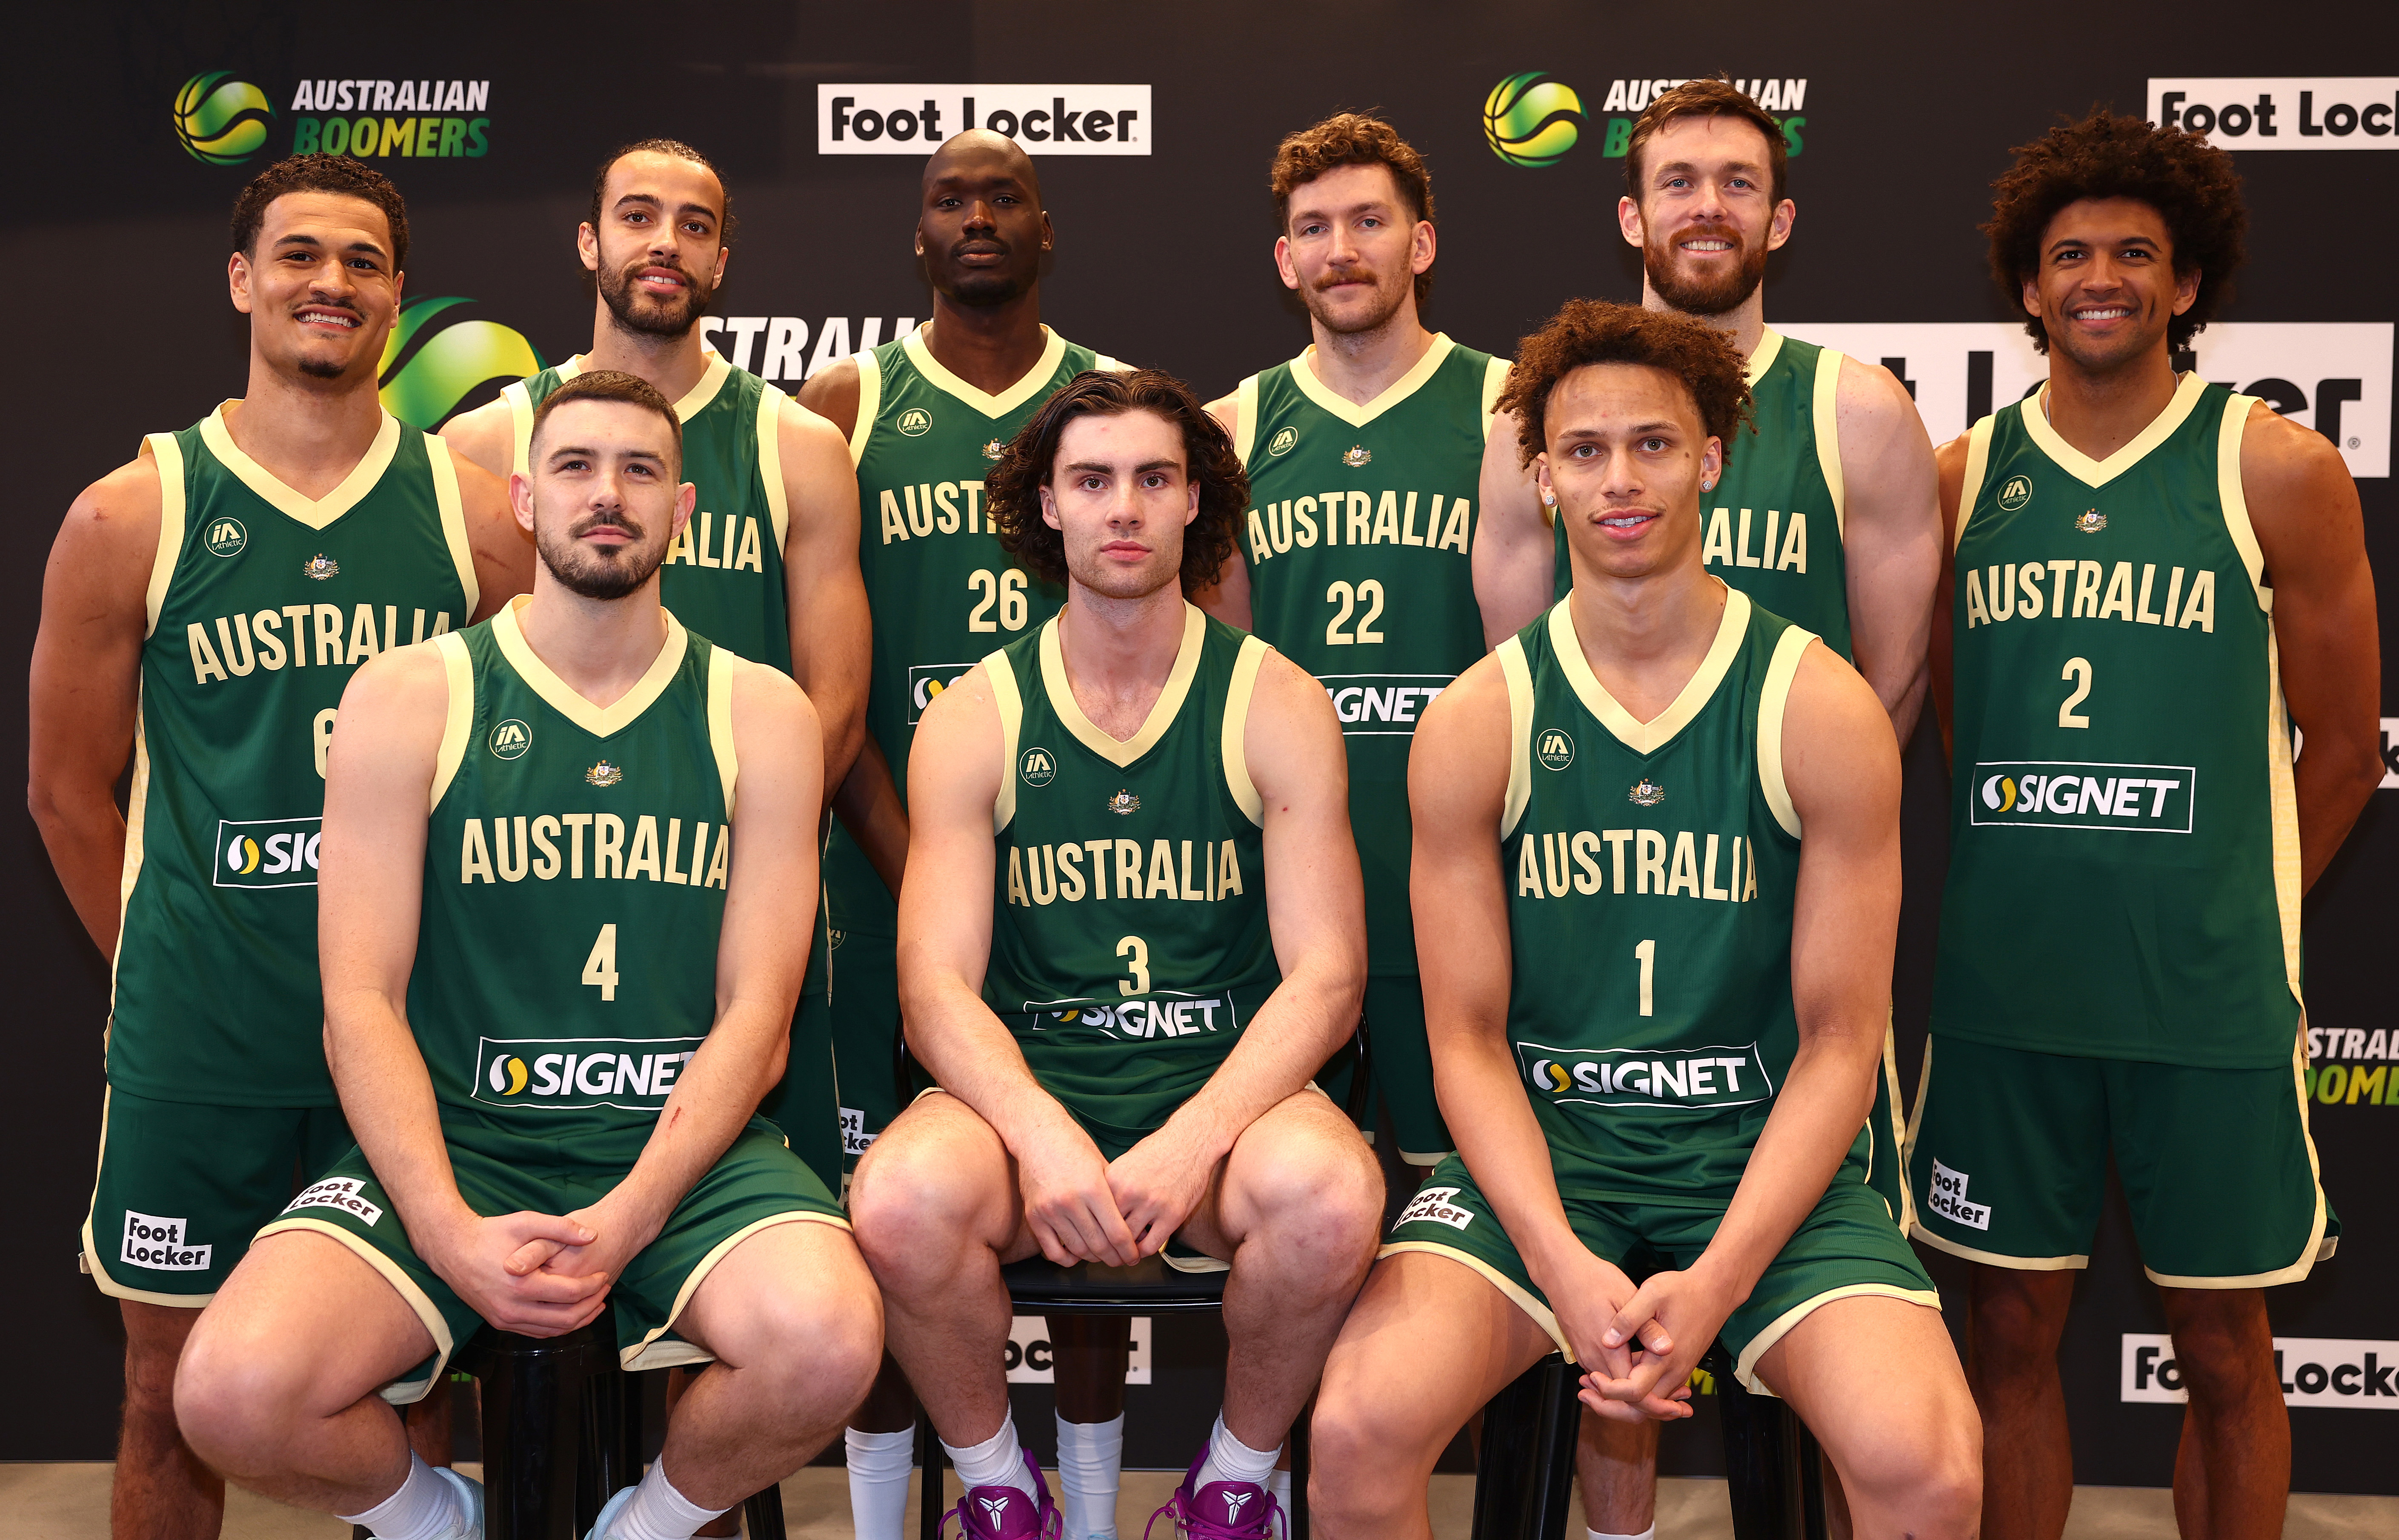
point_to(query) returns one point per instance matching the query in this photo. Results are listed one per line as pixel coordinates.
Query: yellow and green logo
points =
(423, 386)
(221, 120)
(1531, 119)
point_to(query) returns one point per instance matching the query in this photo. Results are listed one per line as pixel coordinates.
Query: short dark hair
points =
(611, 384)
(1594, 331)
(318, 173)
(1013, 490)
(1712, 98)
(1351, 139)
(2189, 183)
(680, 151)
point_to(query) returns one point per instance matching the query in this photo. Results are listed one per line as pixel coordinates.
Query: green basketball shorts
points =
(1402, 1061)
(756, 1183)
(806, 1107)
(2008, 1160)
(184, 1185)
(1846, 1246)
(1886, 1132)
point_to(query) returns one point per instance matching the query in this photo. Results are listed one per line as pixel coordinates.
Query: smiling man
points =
(2156, 587)
(1655, 1008)
(1131, 933)
(204, 606)
(1362, 454)
(552, 1004)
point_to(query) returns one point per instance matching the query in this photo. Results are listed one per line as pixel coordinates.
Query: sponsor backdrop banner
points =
(1153, 129)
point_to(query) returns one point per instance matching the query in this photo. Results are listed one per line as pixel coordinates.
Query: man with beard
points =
(1827, 515)
(1363, 453)
(203, 607)
(1124, 1042)
(555, 1100)
(768, 564)
(926, 416)
(2160, 586)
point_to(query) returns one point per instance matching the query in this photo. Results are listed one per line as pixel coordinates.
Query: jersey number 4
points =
(600, 968)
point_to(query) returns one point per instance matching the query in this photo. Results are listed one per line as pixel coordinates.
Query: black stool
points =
(1039, 1287)
(1525, 1465)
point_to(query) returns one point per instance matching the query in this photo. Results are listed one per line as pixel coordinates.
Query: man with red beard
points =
(1828, 515)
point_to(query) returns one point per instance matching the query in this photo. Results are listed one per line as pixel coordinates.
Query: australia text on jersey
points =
(517, 848)
(947, 507)
(738, 549)
(1355, 517)
(2015, 591)
(1553, 865)
(247, 641)
(1054, 874)
(1785, 547)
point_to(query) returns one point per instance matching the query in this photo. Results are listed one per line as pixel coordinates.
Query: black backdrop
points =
(117, 233)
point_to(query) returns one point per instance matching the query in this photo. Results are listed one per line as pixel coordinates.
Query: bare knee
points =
(1364, 1444)
(821, 1352)
(2017, 1319)
(913, 1212)
(1927, 1475)
(155, 1335)
(238, 1398)
(1328, 1208)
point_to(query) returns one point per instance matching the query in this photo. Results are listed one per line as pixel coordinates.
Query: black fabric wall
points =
(1902, 114)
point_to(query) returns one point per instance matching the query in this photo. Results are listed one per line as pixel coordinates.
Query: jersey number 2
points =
(600, 968)
(2079, 670)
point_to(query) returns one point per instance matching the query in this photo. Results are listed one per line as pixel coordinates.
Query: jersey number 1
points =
(1648, 955)
(600, 968)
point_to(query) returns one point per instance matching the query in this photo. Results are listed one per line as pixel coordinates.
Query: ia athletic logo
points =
(2016, 493)
(633, 1074)
(2153, 799)
(915, 422)
(1037, 765)
(267, 852)
(226, 537)
(510, 738)
(1554, 749)
(1282, 441)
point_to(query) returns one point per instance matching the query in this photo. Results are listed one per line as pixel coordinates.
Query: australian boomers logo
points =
(2155, 799)
(633, 1074)
(1531, 120)
(1716, 1076)
(223, 120)
(220, 120)
(429, 370)
(267, 852)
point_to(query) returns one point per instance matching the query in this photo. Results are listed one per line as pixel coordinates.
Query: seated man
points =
(1130, 930)
(1657, 1013)
(552, 1081)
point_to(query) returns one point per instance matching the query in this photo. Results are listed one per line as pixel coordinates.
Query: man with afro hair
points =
(2154, 586)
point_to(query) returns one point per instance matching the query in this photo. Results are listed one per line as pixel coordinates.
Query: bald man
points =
(926, 417)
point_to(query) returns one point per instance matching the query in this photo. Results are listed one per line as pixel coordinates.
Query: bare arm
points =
(868, 805)
(1949, 461)
(1516, 549)
(1891, 535)
(87, 686)
(944, 947)
(831, 633)
(1842, 770)
(486, 437)
(502, 548)
(2304, 508)
(1228, 598)
(831, 394)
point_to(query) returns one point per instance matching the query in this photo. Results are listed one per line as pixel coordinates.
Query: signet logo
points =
(510, 740)
(631, 1074)
(1039, 766)
(2153, 799)
(915, 422)
(226, 537)
(1720, 1075)
(2016, 493)
(1554, 749)
(1282, 441)
(267, 852)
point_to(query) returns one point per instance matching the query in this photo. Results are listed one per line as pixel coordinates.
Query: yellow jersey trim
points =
(172, 518)
(520, 402)
(1770, 347)
(1517, 670)
(1978, 465)
(723, 668)
(1233, 741)
(598, 720)
(1245, 420)
(94, 1263)
(458, 716)
(2098, 473)
(1827, 414)
(1773, 699)
(1010, 703)
(770, 462)
(1008, 401)
(870, 402)
(1162, 712)
(1303, 374)
(711, 380)
(651, 1353)
(1494, 380)
(1745, 1369)
(315, 512)
(1516, 1293)
(453, 508)
(2236, 501)
(1645, 738)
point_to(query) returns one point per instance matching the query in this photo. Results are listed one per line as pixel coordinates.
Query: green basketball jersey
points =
(2124, 846)
(1129, 943)
(943, 592)
(723, 575)
(1774, 522)
(1650, 870)
(575, 864)
(1359, 543)
(262, 602)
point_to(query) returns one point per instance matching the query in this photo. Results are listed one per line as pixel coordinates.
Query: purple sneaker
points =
(1004, 1513)
(1221, 1510)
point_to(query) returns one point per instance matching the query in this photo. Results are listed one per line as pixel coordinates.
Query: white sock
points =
(1090, 1468)
(1231, 1460)
(1650, 1534)
(1280, 1484)
(658, 1511)
(424, 1507)
(879, 1464)
(998, 1461)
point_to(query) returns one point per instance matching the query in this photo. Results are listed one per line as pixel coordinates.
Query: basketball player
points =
(1362, 454)
(926, 416)
(1124, 993)
(2156, 585)
(1655, 1039)
(554, 1100)
(203, 608)
(1826, 514)
(768, 566)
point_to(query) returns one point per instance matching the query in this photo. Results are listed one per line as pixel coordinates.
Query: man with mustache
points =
(560, 970)
(926, 416)
(203, 608)
(1827, 515)
(768, 564)
(1362, 454)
